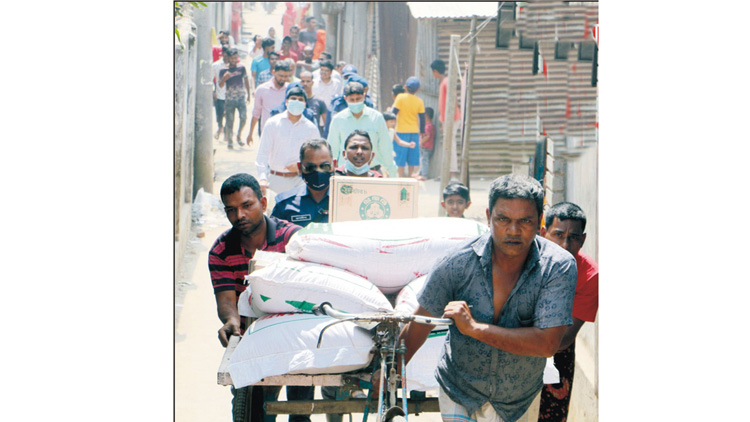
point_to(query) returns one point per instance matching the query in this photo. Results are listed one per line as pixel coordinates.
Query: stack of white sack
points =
(280, 344)
(420, 372)
(388, 253)
(283, 342)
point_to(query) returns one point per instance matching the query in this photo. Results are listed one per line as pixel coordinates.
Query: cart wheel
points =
(244, 408)
(394, 414)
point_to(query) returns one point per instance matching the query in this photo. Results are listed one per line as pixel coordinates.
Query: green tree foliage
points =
(178, 11)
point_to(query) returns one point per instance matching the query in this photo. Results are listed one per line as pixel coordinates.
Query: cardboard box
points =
(370, 198)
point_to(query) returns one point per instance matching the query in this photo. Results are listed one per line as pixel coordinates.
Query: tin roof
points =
(435, 10)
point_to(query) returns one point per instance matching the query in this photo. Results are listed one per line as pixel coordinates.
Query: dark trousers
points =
(229, 107)
(555, 398)
(219, 107)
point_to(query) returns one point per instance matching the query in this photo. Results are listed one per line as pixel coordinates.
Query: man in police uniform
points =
(308, 203)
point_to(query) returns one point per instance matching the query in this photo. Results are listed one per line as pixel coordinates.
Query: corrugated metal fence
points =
(507, 95)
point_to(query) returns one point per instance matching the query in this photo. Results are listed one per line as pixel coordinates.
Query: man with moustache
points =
(358, 156)
(510, 295)
(244, 205)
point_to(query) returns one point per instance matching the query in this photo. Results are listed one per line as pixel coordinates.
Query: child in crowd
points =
(456, 199)
(426, 145)
(397, 89)
(390, 122)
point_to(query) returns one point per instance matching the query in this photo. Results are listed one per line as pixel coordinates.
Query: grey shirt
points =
(472, 372)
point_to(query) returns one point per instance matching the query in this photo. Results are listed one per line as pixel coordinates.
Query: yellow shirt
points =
(409, 106)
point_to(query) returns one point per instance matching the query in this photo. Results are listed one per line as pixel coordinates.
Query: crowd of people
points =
(517, 294)
(298, 79)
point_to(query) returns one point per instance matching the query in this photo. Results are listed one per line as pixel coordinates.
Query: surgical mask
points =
(356, 170)
(295, 107)
(356, 107)
(317, 180)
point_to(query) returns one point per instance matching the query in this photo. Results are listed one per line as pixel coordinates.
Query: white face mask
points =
(295, 107)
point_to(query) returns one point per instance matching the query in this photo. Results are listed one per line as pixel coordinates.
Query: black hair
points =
(224, 50)
(286, 38)
(565, 211)
(359, 132)
(282, 65)
(438, 65)
(456, 188)
(235, 183)
(327, 54)
(315, 143)
(389, 116)
(354, 87)
(429, 112)
(309, 18)
(232, 51)
(294, 27)
(517, 186)
(398, 89)
(327, 63)
(267, 42)
(297, 90)
(274, 53)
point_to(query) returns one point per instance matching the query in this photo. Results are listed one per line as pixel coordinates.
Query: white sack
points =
(286, 344)
(406, 301)
(293, 286)
(551, 374)
(420, 371)
(389, 253)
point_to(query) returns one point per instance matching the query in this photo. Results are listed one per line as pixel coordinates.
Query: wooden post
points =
(450, 107)
(467, 111)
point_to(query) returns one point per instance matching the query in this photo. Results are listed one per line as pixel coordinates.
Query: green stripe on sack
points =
(302, 306)
(265, 298)
(441, 333)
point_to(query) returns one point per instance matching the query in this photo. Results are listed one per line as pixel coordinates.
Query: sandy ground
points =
(198, 352)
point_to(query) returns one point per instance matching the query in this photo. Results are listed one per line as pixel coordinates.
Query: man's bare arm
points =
(571, 333)
(414, 334)
(226, 306)
(524, 341)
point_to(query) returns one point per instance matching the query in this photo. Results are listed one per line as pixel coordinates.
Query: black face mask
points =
(317, 180)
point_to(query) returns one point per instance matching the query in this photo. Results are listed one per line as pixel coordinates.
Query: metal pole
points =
(467, 111)
(203, 163)
(450, 107)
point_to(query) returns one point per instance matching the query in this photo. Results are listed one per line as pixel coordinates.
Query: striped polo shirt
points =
(228, 260)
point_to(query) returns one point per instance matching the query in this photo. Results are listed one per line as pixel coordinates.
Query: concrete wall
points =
(184, 130)
(581, 176)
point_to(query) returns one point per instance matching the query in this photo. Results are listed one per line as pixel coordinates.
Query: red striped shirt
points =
(228, 260)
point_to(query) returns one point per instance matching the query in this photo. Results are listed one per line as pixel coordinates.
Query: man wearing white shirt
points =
(326, 87)
(220, 91)
(282, 137)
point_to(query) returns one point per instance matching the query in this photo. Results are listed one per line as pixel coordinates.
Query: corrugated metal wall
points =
(398, 46)
(507, 95)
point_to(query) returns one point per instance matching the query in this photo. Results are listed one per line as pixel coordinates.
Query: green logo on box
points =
(374, 208)
(346, 189)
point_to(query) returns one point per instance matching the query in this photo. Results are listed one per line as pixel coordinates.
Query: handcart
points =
(388, 351)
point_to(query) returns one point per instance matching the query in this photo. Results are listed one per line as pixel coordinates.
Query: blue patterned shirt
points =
(472, 372)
